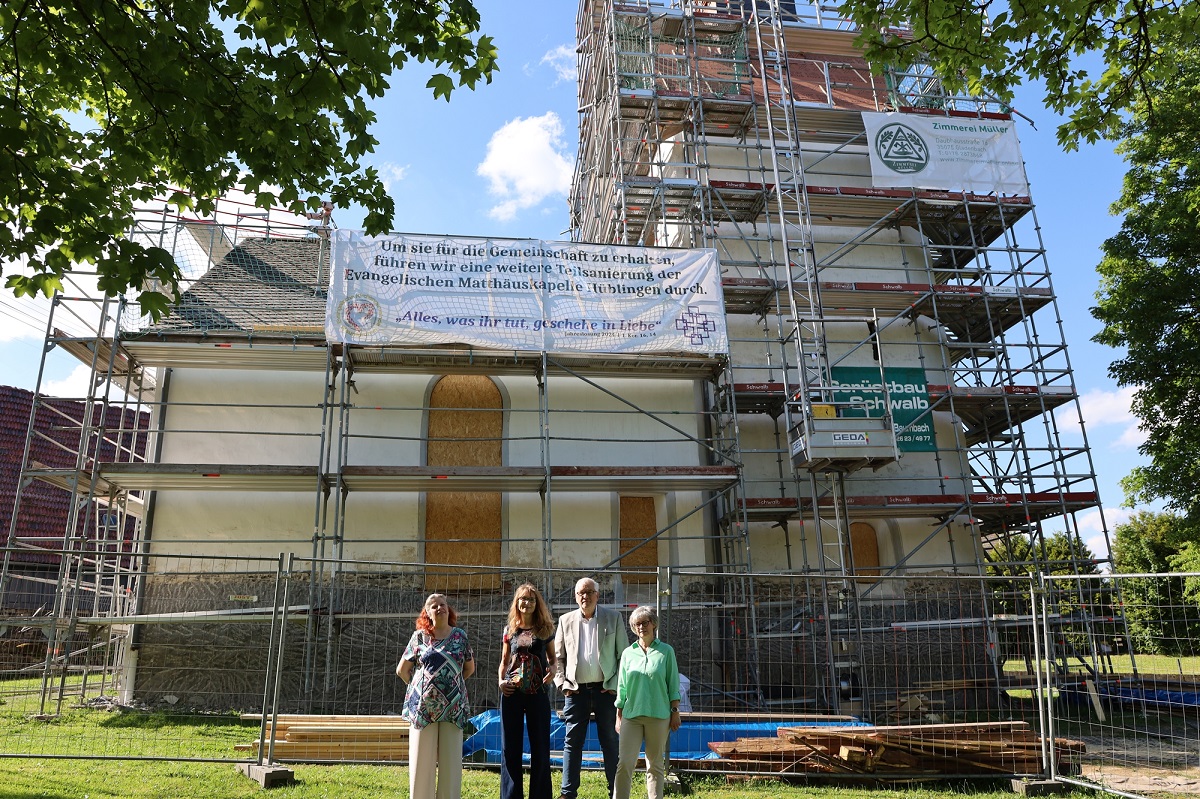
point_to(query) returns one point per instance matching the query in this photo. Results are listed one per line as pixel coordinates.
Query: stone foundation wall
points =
(734, 658)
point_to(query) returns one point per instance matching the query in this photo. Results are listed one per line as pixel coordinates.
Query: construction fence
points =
(891, 678)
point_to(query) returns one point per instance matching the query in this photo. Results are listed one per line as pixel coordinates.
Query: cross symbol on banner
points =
(696, 326)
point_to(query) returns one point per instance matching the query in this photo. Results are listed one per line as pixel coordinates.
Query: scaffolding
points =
(243, 402)
(924, 321)
(737, 126)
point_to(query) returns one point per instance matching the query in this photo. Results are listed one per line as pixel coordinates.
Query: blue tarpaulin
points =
(690, 742)
(1157, 697)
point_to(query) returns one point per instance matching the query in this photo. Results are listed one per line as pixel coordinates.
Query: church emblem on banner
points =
(359, 314)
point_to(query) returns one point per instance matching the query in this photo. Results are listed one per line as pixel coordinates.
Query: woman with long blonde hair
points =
(527, 666)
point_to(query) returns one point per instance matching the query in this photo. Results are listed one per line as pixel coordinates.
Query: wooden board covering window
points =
(466, 422)
(864, 543)
(638, 521)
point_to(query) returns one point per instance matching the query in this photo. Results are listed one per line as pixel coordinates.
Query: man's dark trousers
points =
(577, 712)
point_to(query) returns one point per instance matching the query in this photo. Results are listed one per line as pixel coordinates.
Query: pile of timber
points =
(919, 750)
(914, 707)
(321, 738)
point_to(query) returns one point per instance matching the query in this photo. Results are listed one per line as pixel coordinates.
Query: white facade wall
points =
(272, 418)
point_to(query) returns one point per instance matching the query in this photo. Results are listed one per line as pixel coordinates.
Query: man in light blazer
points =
(589, 643)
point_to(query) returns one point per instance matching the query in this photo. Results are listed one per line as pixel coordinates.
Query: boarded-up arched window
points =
(638, 521)
(865, 546)
(466, 422)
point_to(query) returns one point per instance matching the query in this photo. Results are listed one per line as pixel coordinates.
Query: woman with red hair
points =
(435, 666)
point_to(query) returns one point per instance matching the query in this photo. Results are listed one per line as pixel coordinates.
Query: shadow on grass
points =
(157, 719)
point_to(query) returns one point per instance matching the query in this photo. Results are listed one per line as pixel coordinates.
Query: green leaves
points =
(1159, 622)
(1149, 296)
(107, 103)
(1095, 59)
(1122, 70)
(441, 85)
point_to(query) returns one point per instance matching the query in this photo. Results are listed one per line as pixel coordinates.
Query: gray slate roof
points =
(262, 287)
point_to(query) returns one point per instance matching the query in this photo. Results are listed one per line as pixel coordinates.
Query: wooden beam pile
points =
(1007, 747)
(300, 737)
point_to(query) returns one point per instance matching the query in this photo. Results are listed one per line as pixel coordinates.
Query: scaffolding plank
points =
(125, 370)
(463, 360)
(768, 398)
(650, 478)
(231, 351)
(748, 294)
(241, 477)
(772, 509)
(987, 411)
(443, 478)
(209, 477)
(77, 482)
(985, 506)
(969, 311)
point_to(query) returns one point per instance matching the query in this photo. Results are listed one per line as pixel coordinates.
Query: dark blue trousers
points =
(577, 713)
(520, 714)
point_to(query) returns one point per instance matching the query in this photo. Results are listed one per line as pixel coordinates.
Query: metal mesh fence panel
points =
(919, 676)
(1121, 666)
(763, 657)
(157, 661)
(338, 654)
(883, 677)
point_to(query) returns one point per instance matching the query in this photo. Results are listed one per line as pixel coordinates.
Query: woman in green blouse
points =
(647, 704)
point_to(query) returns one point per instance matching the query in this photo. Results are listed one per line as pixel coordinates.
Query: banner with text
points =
(909, 396)
(941, 152)
(523, 294)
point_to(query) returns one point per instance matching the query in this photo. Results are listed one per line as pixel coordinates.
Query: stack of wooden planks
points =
(299, 737)
(1006, 747)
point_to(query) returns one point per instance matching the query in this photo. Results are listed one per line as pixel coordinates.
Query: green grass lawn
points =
(71, 779)
(1146, 664)
(1157, 664)
(128, 734)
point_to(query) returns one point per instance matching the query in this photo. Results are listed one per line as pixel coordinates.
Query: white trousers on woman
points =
(435, 756)
(633, 732)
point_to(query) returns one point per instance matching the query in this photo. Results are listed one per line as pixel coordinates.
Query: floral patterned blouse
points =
(438, 691)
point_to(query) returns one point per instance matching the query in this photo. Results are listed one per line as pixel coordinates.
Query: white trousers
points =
(633, 732)
(435, 757)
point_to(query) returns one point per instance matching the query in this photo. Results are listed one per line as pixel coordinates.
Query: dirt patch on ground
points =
(1145, 782)
(1162, 765)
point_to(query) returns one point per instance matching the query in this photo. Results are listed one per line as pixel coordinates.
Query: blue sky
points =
(497, 162)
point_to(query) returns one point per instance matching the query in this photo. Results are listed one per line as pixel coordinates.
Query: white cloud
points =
(526, 163)
(1090, 522)
(392, 173)
(1131, 437)
(1102, 408)
(74, 385)
(1091, 527)
(562, 60)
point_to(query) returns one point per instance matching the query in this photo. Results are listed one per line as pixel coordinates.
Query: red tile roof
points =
(45, 508)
